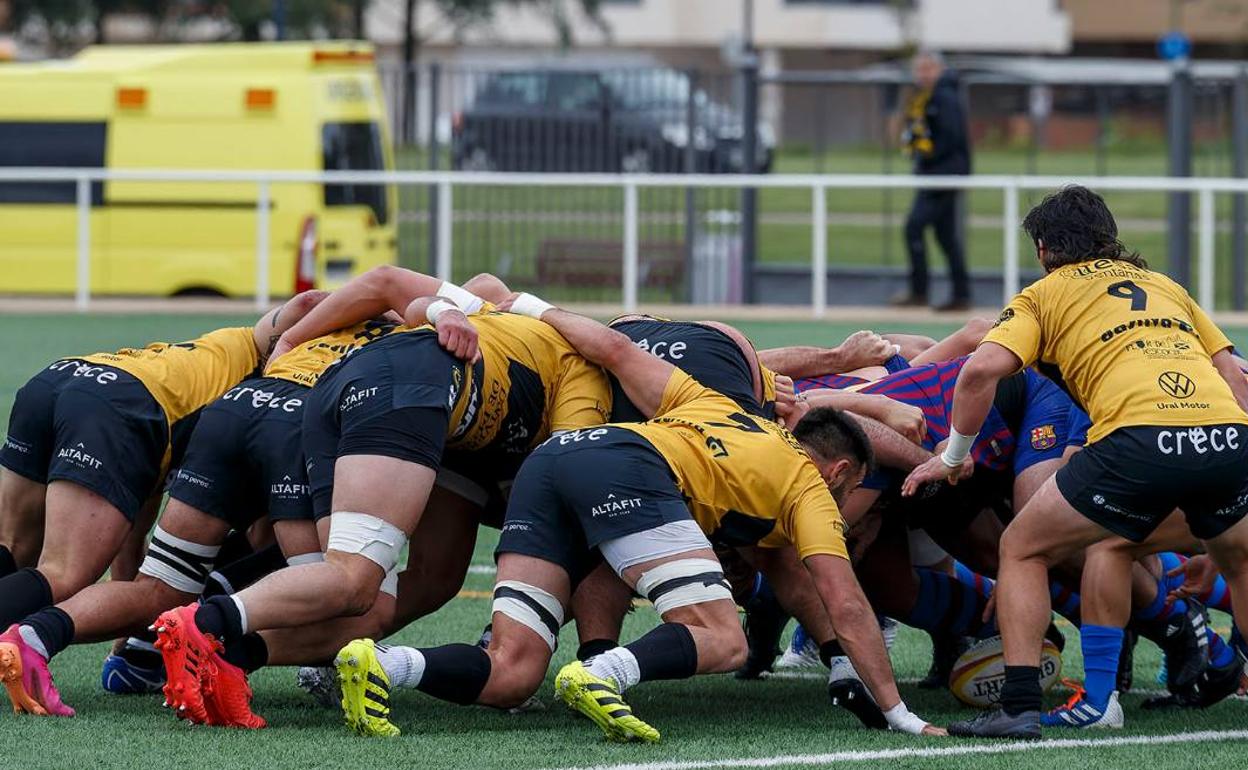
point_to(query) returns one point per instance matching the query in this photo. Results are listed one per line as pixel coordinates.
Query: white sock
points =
(618, 664)
(242, 611)
(404, 665)
(31, 637)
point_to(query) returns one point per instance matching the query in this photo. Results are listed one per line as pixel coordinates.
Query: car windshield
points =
(643, 89)
(354, 147)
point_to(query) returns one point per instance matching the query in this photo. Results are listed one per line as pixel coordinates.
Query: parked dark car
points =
(633, 121)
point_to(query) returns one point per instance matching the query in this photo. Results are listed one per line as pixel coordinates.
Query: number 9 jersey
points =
(1128, 344)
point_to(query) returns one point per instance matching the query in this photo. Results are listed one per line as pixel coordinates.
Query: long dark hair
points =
(1075, 225)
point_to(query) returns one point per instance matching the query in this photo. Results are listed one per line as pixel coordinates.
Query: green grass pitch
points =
(706, 722)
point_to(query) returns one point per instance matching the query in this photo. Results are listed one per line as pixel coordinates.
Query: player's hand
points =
(457, 336)
(1199, 574)
(934, 731)
(280, 348)
(935, 470)
(865, 348)
(906, 419)
(785, 392)
(791, 413)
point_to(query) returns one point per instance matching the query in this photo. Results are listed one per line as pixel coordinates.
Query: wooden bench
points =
(584, 262)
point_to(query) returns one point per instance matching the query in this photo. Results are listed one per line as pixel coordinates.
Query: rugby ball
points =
(979, 673)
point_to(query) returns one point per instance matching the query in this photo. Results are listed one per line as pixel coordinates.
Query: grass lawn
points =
(706, 722)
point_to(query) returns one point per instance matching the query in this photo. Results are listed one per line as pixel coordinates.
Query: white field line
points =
(482, 569)
(1018, 747)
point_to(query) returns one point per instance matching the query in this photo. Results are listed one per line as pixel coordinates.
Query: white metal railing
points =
(446, 181)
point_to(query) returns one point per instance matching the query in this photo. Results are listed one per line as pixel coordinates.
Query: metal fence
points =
(1050, 119)
(636, 260)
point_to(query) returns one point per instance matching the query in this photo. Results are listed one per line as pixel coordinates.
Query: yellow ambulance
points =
(280, 106)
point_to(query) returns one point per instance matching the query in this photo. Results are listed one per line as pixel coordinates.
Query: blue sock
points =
(1066, 603)
(947, 605)
(1101, 647)
(1220, 654)
(1169, 561)
(1158, 610)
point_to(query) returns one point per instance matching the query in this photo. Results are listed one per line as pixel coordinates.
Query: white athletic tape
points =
(437, 308)
(299, 559)
(390, 583)
(903, 721)
(180, 564)
(463, 299)
(530, 305)
(958, 448)
(530, 606)
(682, 583)
(377, 540)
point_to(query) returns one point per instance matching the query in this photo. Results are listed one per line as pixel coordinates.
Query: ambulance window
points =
(44, 144)
(354, 147)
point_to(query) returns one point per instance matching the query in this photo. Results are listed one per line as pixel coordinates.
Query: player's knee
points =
(735, 647)
(64, 580)
(358, 545)
(177, 565)
(1016, 546)
(914, 229)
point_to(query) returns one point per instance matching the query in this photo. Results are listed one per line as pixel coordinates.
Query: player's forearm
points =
(803, 361)
(1228, 367)
(856, 627)
(368, 296)
(972, 399)
(892, 449)
(597, 343)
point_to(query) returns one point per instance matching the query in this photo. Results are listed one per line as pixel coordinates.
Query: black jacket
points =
(946, 127)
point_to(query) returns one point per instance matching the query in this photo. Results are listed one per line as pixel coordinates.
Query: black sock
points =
(143, 657)
(234, 576)
(667, 652)
(251, 653)
(22, 593)
(7, 565)
(830, 650)
(55, 628)
(455, 673)
(1021, 691)
(595, 647)
(220, 617)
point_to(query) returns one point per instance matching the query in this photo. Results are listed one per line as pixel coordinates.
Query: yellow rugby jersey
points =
(530, 381)
(1129, 344)
(185, 376)
(304, 364)
(746, 479)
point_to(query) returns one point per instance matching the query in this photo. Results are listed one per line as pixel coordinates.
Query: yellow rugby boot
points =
(601, 701)
(365, 690)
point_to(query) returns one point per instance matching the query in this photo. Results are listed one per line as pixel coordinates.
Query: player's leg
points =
(599, 605)
(529, 602)
(1045, 531)
(125, 565)
(21, 521)
(540, 547)
(178, 561)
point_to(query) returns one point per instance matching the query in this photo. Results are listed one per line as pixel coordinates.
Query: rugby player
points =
(374, 433)
(1166, 400)
(90, 440)
(645, 496)
(244, 461)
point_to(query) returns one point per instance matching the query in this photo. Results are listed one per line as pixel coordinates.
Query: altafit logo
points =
(353, 399)
(79, 456)
(615, 506)
(289, 487)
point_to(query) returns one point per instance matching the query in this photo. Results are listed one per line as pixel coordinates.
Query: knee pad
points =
(682, 583)
(532, 607)
(377, 540)
(180, 564)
